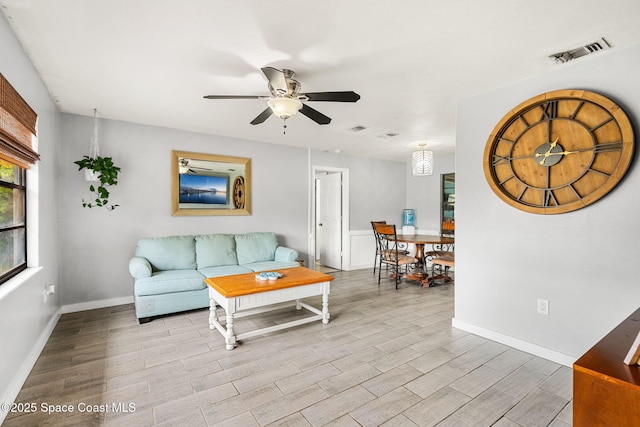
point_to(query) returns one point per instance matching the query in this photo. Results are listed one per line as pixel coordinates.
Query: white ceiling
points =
(152, 61)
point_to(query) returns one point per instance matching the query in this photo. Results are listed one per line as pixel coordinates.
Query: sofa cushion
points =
(271, 265)
(164, 282)
(168, 253)
(256, 247)
(214, 250)
(224, 270)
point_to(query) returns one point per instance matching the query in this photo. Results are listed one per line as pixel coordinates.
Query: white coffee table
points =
(244, 294)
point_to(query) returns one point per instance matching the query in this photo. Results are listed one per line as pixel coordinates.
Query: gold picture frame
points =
(210, 184)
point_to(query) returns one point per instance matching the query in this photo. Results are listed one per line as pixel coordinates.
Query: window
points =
(13, 227)
(17, 132)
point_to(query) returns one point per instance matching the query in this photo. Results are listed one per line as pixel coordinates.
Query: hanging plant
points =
(98, 169)
(106, 174)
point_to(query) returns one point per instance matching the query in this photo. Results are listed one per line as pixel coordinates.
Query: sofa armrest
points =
(285, 254)
(139, 267)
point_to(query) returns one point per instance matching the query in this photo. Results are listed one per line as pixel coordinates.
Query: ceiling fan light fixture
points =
(284, 107)
(422, 162)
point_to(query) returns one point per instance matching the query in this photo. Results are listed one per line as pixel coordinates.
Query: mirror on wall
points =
(210, 184)
(448, 204)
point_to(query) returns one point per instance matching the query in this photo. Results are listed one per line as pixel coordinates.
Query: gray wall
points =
(377, 188)
(423, 193)
(585, 262)
(99, 243)
(26, 318)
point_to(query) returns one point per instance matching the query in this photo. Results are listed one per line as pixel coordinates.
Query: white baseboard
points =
(92, 305)
(11, 393)
(358, 267)
(516, 343)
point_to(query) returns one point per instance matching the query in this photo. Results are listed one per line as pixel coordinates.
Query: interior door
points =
(329, 220)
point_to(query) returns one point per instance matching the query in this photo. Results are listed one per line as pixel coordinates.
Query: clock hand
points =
(551, 147)
(563, 153)
(549, 153)
(582, 150)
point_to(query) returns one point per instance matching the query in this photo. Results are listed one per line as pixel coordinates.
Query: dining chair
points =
(375, 236)
(390, 255)
(442, 260)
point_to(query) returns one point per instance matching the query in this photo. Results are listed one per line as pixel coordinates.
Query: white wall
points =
(26, 320)
(585, 262)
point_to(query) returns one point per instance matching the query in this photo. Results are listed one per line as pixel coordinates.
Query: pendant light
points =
(422, 161)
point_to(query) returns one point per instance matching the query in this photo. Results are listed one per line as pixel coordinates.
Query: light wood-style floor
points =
(386, 358)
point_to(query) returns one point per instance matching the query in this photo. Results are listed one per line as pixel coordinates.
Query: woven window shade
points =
(17, 127)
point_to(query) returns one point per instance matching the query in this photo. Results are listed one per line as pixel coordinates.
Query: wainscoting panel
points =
(363, 248)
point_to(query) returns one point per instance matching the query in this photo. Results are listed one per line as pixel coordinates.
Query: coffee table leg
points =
(213, 316)
(325, 308)
(230, 337)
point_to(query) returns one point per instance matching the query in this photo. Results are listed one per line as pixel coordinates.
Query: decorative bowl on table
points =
(268, 275)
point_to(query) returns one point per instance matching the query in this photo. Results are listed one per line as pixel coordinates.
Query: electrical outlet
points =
(543, 306)
(49, 289)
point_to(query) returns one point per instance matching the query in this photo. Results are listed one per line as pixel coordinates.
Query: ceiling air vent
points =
(356, 129)
(597, 46)
(388, 135)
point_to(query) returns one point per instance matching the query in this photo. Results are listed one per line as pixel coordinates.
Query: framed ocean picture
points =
(204, 189)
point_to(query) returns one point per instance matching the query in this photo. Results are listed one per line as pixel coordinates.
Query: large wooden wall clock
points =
(559, 151)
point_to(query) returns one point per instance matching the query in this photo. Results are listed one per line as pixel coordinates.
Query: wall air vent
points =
(597, 46)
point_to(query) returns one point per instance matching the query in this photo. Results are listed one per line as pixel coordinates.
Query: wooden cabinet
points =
(606, 392)
(448, 204)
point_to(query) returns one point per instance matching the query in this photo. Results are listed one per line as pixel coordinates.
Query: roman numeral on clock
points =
(548, 199)
(549, 110)
(608, 147)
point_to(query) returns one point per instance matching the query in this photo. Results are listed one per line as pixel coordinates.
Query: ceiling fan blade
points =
(276, 79)
(347, 96)
(315, 115)
(262, 116)
(233, 97)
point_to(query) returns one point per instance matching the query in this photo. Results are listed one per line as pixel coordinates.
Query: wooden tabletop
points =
(423, 239)
(246, 284)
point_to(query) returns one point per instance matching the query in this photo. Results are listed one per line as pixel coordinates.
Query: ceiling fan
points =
(286, 99)
(184, 166)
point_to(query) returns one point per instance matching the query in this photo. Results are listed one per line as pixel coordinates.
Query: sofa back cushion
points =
(256, 247)
(215, 250)
(168, 253)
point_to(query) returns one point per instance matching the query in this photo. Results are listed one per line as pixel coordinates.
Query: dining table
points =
(420, 240)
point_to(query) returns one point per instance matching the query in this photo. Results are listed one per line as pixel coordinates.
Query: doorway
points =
(330, 218)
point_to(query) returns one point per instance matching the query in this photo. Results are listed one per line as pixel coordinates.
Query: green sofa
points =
(169, 272)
